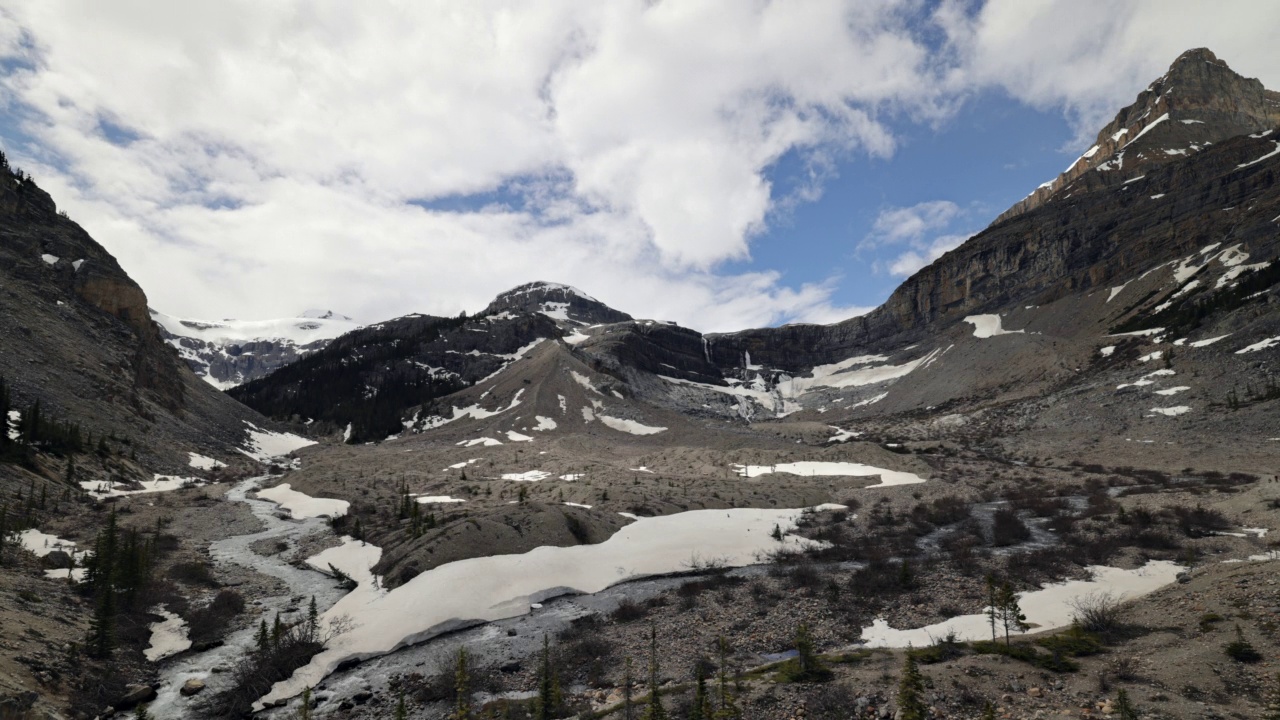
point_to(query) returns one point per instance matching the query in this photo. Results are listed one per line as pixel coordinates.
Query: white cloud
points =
(1092, 57)
(277, 148)
(642, 132)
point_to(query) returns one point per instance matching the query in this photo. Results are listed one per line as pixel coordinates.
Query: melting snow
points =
(544, 423)
(50, 259)
(200, 462)
(1262, 345)
(1116, 291)
(437, 499)
(300, 505)
(168, 637)
(813, 467)
(985, 326)
(514, 436)
(15, 419)
(578, 505)
(1209, 341)
(1172, 411)
(630, 426)
(161, 483)
(263, 445)
(1173, 390)
(485, 441)
(1051, 607)
(503, 586)
(1106, 351)
(1273, 153)
(42, 544)
(531, 476)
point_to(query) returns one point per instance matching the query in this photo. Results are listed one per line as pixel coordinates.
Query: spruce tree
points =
(263, 638)
(628, 689)
(701, 709)
(141, 713)
(549, 698)
(654, 709)
(1124, 706)
(462, 686)
(1011, 616)
(992, 610)
(728, 709)
(313, 621)
(911, 692)
(402, 712)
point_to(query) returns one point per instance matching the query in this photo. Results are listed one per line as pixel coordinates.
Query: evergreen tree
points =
(141, 713)
(1273, 708)
(263, 638)
(654, 709)
(549, 698)
(992, 610)
(988, 711)
(1124, 706)
(728, 709)
(1011, 617)
(628, 689)
(701, 709)
(462, 685)
(402, 712)
(304, 710)
(102, 628)
(313, 620)
(911, 692)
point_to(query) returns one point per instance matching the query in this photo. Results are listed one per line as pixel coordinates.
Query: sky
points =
(720, 163)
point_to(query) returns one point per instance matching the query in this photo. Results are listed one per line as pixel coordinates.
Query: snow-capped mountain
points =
(229, 352)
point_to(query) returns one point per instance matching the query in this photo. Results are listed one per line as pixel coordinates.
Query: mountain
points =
(227, 353)
(1198, 102)
(76, 337)
(562, 303)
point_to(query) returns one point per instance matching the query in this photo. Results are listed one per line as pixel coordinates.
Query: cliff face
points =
(76, 335)
(41, 245)
(1198, 102)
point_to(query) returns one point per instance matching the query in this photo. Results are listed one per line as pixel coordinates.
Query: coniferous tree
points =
(654, 709)
(992, 609)
(263, 638)
(988, 711)
(628, 689)
(911, 691)
(304, 710)
(701, 709)
(141, 713)
(462, 686)
(313, 621)
(1124, 706)
(402, 712)
(1011, 617)
(1273, 708)
(728, 709)
(549, 698)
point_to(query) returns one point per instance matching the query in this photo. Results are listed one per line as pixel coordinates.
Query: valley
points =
(1062, 434)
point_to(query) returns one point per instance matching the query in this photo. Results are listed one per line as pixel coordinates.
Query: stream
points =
(302, 584)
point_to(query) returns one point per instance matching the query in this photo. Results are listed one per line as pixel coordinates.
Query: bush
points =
(208, 624)
(1074, 642)
(1008, 529)
(194, 573)
(1241, 650)
(1098, 613)
(629, 610)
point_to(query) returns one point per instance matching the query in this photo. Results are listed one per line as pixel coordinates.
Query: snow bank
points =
(630, 426)
(985, 326)
(1048, 608)
(42, 544)
(200, 462)
(168, 637)
(504, 586)
(301, 505)
(161, 483)
(438, 499)
(531, 476)
(813, 467)
(1172, 411)
(1263, 345)
(263, 445)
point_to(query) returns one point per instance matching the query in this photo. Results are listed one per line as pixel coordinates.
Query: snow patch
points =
(1261, 345)
(814, 467)
(985, 326)
(168, 637)
(1172, 411)
(630, 426)
(301, 505)
(531, 476)
(263, 445)
(200, 462)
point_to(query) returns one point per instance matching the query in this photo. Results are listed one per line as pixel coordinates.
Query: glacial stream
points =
(301, 583)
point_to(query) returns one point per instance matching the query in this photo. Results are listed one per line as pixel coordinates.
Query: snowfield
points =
(1048, 608)
(301, 505)
(986, 326)
(811, 467)
(263, 445)
(463, 593)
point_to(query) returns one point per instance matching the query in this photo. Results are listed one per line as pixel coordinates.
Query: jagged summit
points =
(1199, 101)
(316, 314)
(559, 302)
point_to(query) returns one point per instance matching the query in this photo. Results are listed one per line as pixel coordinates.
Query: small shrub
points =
(193, 573)
(1008, 529)
(629, 611)
(1098, 613)
(1242, 650)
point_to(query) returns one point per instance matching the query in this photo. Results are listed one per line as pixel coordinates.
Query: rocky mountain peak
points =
(316, 314)
(1199, 101)
(563, 303)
